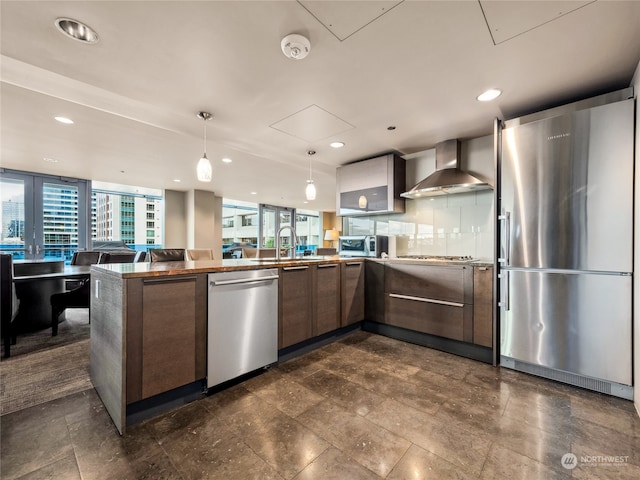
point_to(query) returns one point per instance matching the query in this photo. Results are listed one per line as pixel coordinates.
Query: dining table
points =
(35, 281)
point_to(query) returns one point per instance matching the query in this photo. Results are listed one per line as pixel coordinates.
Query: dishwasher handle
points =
(242, 280)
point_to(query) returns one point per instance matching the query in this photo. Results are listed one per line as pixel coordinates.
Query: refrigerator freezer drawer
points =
(575, 322)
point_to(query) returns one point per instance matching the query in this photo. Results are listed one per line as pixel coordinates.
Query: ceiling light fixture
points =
(50, 160)
(489, 95)
(336, 144)
(227, 160)
(64, 120)
(310, 191)
(295, 46)
(205, 170)
(77, 30)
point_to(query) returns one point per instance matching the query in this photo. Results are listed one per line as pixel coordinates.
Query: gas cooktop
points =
(440, 258)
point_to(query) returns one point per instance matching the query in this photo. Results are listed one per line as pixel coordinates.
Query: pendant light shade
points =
(310, 191)
(204, 169)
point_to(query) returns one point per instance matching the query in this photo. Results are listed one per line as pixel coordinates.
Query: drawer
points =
(422, 315)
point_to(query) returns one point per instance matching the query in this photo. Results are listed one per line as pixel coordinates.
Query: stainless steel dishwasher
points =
(243, 323)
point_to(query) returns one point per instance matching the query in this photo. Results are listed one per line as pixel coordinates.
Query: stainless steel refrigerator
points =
(566, 243)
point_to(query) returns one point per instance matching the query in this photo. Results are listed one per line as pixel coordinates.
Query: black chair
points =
(79, 297)
(118, 257)
(9, 303)
(85, 258)
(167, 254)
(140, 257)
(81, 258)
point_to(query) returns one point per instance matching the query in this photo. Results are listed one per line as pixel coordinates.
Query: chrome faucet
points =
(295, 240)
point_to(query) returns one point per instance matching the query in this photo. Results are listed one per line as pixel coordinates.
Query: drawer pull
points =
(149, 281)
(426, 300)
(328, 265)
(353, 264)
(302, 267)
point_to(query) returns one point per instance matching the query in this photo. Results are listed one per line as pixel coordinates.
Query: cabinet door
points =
(327, 298)
(483, 306)
(166, 334)
(352, 286)
(374, 291)
(294, 299)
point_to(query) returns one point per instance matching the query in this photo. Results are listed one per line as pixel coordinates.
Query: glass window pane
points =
(12, 217)
(60, 220)
(135, 220)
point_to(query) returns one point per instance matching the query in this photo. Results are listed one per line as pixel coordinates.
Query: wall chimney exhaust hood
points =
(448, 178)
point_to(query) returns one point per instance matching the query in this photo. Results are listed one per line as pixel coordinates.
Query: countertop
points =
(159, 269)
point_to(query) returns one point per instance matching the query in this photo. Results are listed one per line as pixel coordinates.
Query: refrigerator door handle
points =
(505, 218)
(504, 303)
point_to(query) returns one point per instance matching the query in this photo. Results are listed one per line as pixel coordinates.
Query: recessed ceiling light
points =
(66, 120)
(227, 160)
(177, 180)
(254, 193)
(77, 30)
(489, 95)
(50, 160)
(337, 144)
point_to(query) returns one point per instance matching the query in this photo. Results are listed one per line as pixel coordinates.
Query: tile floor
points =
(366, 407)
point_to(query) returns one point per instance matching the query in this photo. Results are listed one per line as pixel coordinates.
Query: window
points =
(43, 216)
(250, 220)
(130, 214)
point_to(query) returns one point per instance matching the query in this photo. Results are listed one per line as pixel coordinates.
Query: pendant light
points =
(205, 170)
(310, 191)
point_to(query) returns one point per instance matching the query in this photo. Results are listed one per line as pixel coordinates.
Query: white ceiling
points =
(417, 65)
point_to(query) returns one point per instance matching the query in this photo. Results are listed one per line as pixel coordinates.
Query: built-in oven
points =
(363, 245)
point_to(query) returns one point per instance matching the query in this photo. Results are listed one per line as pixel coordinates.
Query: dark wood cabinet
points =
(166, 334)
(437, 300)
(352, 292)
(374, 291)
(294, 305)
(326, 301)
(483, 306)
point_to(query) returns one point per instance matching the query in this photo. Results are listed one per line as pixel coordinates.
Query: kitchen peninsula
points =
(149, 321)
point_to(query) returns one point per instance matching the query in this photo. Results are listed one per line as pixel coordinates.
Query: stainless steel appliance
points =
(363, 245)
(448, 177)
(243, 323)
(566, 202)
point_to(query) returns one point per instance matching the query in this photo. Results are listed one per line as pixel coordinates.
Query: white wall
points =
(636, 268)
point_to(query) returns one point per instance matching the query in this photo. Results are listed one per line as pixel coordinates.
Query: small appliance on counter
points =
(363, 245)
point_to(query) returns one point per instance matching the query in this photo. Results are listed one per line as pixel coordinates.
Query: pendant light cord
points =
(205, 137)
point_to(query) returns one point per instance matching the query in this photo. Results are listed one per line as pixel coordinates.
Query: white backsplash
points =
(460, 224)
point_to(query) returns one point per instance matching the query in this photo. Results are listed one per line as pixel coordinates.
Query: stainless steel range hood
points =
(448, 178)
